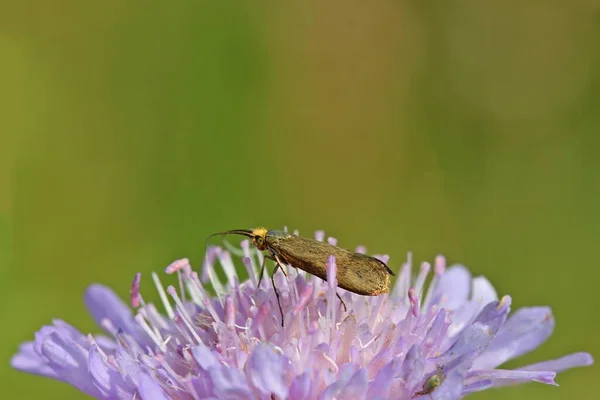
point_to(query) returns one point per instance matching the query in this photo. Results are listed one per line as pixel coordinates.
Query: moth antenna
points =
(244, 232)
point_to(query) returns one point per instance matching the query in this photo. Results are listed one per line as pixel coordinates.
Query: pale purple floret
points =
(443, 343)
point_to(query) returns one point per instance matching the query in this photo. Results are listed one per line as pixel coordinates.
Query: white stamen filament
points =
(163, 296)
(92, 341)
(364, 346)
(139, 318)
(181, 287)
(185, 316)
(227, 266)
(155, 329)
(330, 360)
(214, 280)
(251, 269)
(425, 268)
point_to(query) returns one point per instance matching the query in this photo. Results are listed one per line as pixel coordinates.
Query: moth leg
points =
(271, 257)
(278, 266)
(262, 269)
(340, 297)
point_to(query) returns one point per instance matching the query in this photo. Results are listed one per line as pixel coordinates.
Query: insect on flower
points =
(356, 272)
(444, 342)
(432, 382)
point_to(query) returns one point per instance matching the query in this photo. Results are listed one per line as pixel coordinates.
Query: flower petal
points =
(451, 387)
(482, 291)
(357, 387)
(63, 353)
(149, 388)
(28, 360)
(204, 357)
(301, 389)
(453, 287)
(103, 304)
(203, 385)
(494, 314)
(345, 373)
(523, 332)
(436, 331)
(502, 377)
(229, 383)
(69, 361)
(561, 364)
(412, 368)
(381, 384)
(462, 362)
(106, 378)
(106, 343)
(477, 386)
(473, 338)
(264, 369)
(129, 366)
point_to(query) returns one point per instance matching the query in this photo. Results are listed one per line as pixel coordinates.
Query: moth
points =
(356, 272)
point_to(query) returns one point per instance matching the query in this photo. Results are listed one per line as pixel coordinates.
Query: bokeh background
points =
(131, 130)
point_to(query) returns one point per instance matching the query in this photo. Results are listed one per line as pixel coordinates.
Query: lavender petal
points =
(523, 332)
(205, 357)
(494, 314)
(300, 389)
(104, 304)
(106, 378)
(482, 291)
(412, 368)
(380, 386)
(501, 377)
(453, 288)
(264, 368)
(69, 361)
(561, 364)
(477, 386)
(473, 338)
(28, 360)
(357, 387)
(229, 383)
(451, 388)
(150, 389)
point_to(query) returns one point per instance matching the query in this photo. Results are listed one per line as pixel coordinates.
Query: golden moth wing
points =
(356, 272)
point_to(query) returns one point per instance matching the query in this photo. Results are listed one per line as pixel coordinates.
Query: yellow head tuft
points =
(259, 238)
(260, 231)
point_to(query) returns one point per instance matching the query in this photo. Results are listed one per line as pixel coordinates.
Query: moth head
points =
(259, 238)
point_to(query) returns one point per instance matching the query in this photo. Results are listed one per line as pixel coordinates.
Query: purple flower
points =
(444, 342)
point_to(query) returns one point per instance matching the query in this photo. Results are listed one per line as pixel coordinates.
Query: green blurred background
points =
(131, 130)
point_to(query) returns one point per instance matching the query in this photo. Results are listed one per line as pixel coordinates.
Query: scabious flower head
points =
(444, 342)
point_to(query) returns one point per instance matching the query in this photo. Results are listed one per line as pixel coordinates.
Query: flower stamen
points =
(163, 296)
